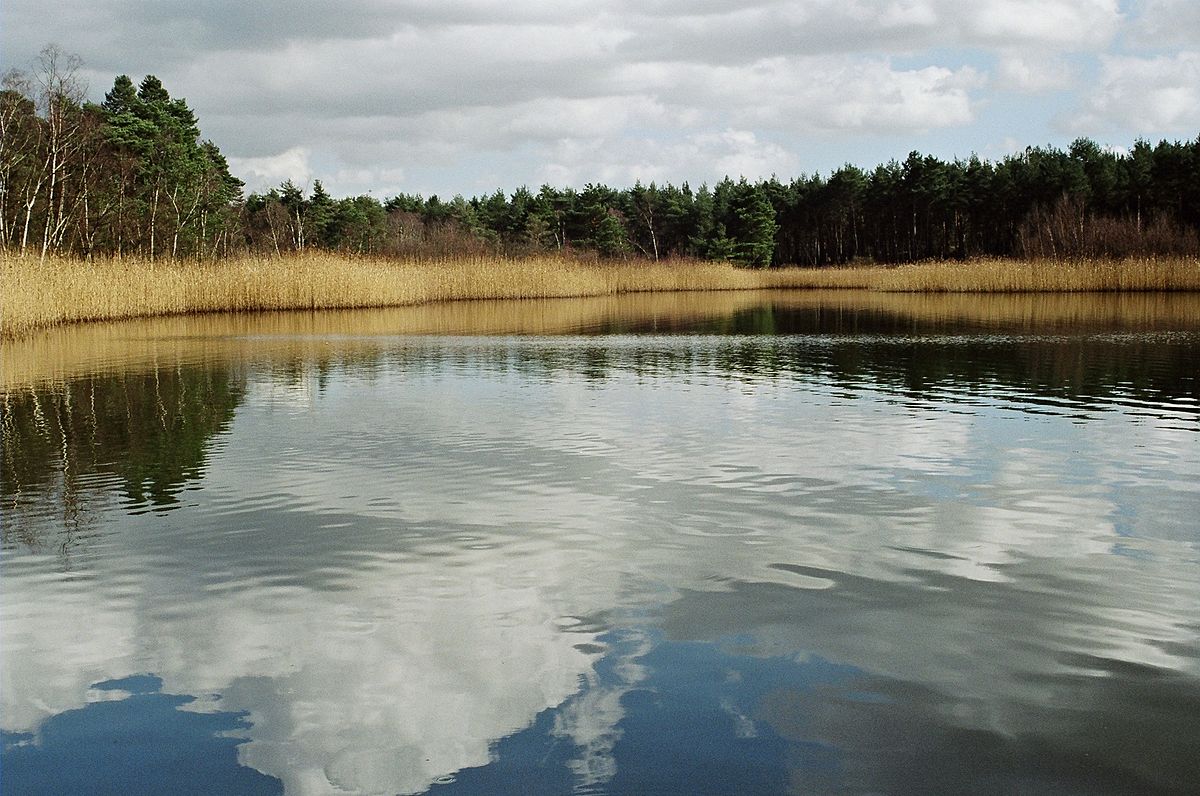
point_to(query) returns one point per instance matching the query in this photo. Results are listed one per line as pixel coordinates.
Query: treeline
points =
(132, 176)
(1043, 202)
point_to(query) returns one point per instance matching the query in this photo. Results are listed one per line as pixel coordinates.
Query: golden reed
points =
(37, 294)
(57, 355)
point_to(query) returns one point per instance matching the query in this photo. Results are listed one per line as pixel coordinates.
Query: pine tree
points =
(755, 237)
(611, 238)
(320, 218)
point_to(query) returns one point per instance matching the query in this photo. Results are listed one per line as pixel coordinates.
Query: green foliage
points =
(359, 221)
(720, 246)
(175, 189)
(321, 214)
(132, 174)
(915, 209)
(754, 225)
(610, 237)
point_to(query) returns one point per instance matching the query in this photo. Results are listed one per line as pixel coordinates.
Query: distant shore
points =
(38, 294)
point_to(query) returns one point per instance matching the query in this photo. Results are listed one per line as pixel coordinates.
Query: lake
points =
(693, 543)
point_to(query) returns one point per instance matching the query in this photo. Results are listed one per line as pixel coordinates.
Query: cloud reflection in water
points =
(457, 554)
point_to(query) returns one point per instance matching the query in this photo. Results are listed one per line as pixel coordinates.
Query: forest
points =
(133, 176)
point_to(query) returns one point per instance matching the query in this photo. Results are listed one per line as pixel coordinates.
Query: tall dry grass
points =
(57, 355)
(60, 290)
(1134, 274)
(36, 294)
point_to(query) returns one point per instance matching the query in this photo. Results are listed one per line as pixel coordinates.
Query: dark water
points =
(734, 544)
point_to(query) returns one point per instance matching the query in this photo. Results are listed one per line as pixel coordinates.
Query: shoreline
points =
(59, 354)
(37, 295)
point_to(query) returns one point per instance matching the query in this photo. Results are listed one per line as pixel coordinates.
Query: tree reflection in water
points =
(786, 544)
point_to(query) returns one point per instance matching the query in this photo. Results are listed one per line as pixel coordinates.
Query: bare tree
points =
(59, 94)
(19, 134)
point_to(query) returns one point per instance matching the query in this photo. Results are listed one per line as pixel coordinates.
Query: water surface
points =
(746, 542)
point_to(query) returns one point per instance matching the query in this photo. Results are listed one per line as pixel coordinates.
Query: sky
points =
(437, 96)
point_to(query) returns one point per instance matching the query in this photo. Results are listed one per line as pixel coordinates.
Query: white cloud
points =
(660, 121)
(1145, 95)
(270, 170)
(818, 93)
(378, 657)
(359, 181)
(1034, 72)
(700, 157)
(1065, 24)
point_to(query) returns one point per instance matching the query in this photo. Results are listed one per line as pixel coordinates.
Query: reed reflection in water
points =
(678, 543)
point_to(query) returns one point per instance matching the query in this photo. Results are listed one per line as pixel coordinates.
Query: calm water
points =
(747, 543)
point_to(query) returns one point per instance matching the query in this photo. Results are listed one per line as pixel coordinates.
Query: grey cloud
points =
(228, 25)
(739, 34)
(233, 25)
(409, 73)
(127, 36)
(1166, 23)
(743, 36)
(437, 83)
(691, 8)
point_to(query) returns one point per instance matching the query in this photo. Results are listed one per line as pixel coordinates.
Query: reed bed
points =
(59, 290)
(1135, 274)
(37, 294)
(56, 355)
